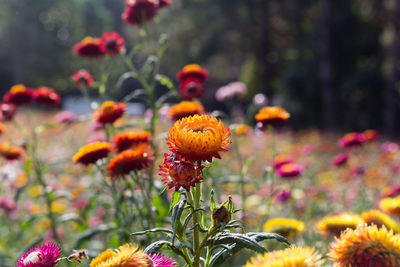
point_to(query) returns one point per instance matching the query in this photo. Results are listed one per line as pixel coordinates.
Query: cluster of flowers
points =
(132, 148)
(20, 95)
(286, 167)
(110, 44)
(48, 255)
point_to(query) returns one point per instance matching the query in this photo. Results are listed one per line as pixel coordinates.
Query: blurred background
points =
(334, 64)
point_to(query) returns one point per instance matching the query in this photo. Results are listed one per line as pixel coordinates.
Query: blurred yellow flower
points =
(334, 225)
(380, 219)
(35, 191)
(58, 207)
(291, 257)
(390, 205)
(288, 228)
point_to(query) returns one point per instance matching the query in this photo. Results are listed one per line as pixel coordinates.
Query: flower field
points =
(182, 185)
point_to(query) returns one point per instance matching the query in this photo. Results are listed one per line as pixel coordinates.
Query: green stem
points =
(196, 233)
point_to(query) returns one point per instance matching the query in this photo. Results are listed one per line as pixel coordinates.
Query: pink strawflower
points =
(340, 159)
(7, 204)
(231, 90)
(282, 196)
(279, 160)
(389, 147)
(290, 170)
(65, 116)
(260, 100)
(352, 140)
(45, 255)
(160, 260)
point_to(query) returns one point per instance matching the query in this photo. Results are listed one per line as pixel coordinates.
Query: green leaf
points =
(175, 198)
(176, 217)
(212, 202)
(164, 80)
(238, 239)
(154, 230)
(258, 237)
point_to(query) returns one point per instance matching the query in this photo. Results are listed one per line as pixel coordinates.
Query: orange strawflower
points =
(127, 255)
(109, 112)
(272, 115)
(242, 129)
(91, 153)
(3, 129)
(199, 138)
(10, 152)
(185, 109)
(125, 141)
(366, 246)
(130, 160)
(390, 205)
(179, 173)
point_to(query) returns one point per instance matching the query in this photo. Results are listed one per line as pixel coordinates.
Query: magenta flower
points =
(231, 90)
(279, 160)
(340, 159)
(45, 255)
(282, 196)
(65, 117)
(352, 139)
(290, 170)
(160, 260)
(389, 147)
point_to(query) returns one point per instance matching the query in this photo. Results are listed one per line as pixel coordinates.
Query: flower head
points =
(242, 129)
(45, 255)
(185, 109)
(199, 138)
(178, 172)
(334, 225)
(10, 152)
(288, 228)
(65, 116)
(109, 112)
(3, 129)
(7, 111)
(126, 141)
(130, 160)
(340, 159)
(112, 43)
(159, 260)
(164, 3)
(352, 140)
(192, 78)
(128, 255)
(380, 219)
(392, 191)
(282, 196)
(290, 170)
(46, 96)
(231, 90)
(272, 115)
(91, 153)
(18, 95)
(89, 47)
(390, 205)
(82, 79)
(290, 257)
(279, 160)
(370, 135)
(366, 246)
(139, 11)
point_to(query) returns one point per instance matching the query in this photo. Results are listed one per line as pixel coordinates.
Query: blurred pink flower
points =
(65, 117)
(389, 147)
(95, 221)
(340, 159)
(260, 100)
(231, 90)
(7, 204)
(282, 196)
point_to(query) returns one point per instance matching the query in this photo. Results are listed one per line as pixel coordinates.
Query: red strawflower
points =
(370, 135)
(10, 152)
(89, 47)
(130, 160)
(7, 111)
(109, 112)
(112, 43)
(126, 141)
(19, 95)
(192, 71)
(82, 78)
(46, 96)
(191, 88)
(139, 11)
(178, 172)
(45, 255)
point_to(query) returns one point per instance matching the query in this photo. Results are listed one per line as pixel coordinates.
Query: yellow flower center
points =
(17, 88)
(191, 67)
(108, 105)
